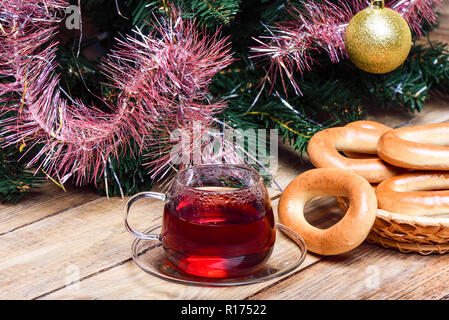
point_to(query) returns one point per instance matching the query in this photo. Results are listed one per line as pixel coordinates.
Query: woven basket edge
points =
(402, 218)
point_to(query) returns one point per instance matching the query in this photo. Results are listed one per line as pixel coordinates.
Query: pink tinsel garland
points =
(162, 79)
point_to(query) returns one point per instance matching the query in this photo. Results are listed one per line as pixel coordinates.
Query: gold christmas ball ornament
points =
(378, 39)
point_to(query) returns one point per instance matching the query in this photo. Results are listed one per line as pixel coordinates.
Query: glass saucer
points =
(288, 253)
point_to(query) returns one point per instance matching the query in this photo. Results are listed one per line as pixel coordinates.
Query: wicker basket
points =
(424, 235)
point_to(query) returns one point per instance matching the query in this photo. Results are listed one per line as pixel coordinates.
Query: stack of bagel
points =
(370, 166)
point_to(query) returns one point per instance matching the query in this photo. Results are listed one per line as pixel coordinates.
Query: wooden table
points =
(73, 245)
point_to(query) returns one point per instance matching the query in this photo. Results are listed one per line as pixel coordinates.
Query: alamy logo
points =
(72, 279)
(73, 17)
(199, 145)
(373, 279)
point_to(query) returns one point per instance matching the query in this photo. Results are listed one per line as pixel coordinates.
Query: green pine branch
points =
(15, 179)
(210, 13)
(125, 175)
(332, 94)
(408, 88)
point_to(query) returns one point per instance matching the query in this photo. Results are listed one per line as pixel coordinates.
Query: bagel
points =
(346, 234)
(324, 147)
(421, 147)
(366, 124)
(415, 194)
(343, 203)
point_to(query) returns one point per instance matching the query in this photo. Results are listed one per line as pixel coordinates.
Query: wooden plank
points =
(437, 110)
(89, 239)
(85, 241)
(54, 239)
(127, 281)
(368, 272)
(139, 285)
(44, 202)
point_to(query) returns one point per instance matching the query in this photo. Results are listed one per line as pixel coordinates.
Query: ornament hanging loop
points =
(378, 4)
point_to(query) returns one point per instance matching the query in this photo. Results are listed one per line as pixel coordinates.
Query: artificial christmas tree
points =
(98, 106)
